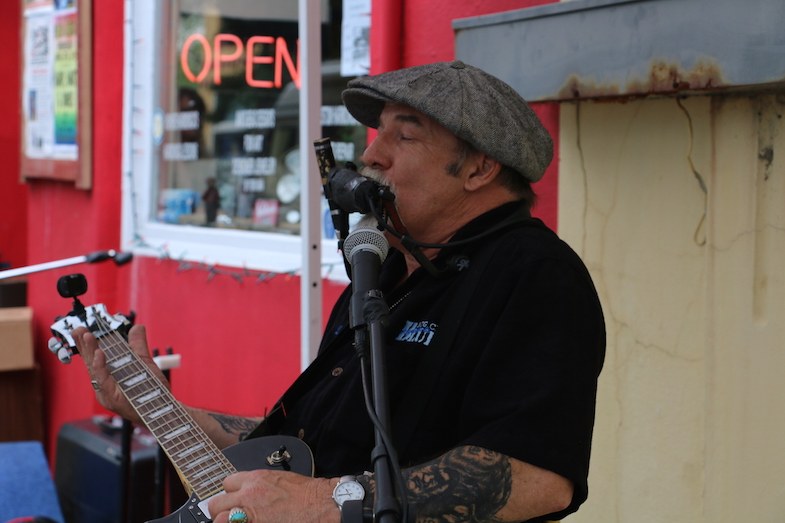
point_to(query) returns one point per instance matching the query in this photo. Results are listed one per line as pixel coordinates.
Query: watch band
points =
(357, 500)
(352, 511)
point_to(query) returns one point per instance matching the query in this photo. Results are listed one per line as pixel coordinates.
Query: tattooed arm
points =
(474, 484)
(223, 429)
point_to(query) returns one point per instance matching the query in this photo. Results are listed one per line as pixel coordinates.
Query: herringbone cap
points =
(474, 105)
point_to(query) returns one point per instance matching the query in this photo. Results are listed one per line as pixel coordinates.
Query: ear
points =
(485, 170)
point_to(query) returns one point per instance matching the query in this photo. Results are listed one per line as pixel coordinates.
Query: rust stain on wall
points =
(663, 77)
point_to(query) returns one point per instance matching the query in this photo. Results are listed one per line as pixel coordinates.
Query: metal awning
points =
(612, 48)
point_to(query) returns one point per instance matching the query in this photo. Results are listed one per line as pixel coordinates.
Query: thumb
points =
(137, 339)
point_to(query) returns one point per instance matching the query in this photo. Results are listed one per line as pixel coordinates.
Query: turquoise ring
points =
(238, 515)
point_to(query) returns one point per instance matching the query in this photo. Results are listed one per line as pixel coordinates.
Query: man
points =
(500, 313)
(212, 202)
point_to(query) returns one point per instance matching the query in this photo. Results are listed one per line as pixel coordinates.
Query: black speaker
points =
(89, 475)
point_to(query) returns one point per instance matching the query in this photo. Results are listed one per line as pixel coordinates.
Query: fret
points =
(144, 398)
(210, 487)
(166, 409)
(190, 450)
(177, 432)
(167, 431)
(134, 380)
(206, 470)
(120, 362)
(197, 462)
(168, 426)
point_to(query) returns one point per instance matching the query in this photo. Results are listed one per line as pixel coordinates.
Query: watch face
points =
(348, 491)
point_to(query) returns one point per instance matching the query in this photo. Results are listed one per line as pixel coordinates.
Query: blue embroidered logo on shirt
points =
(421, 332)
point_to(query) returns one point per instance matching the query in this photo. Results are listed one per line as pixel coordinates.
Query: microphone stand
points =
(368, 315)
(97, 256)
(375, 312)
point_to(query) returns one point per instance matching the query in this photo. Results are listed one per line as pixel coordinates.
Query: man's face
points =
(414, 154)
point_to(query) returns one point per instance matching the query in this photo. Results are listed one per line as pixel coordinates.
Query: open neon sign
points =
(227, 48)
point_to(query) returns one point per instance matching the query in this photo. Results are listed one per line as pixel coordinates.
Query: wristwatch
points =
(348, 489)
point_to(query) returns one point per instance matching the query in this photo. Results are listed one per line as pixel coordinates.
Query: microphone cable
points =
(414, 246)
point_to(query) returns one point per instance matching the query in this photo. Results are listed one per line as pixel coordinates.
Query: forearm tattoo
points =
(465, 484)
(235, 424)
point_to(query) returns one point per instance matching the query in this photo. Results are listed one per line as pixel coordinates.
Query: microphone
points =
(354, 192)
(365, 249)
(326, 163)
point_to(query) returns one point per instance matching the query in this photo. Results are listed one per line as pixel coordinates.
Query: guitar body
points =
(251, 454)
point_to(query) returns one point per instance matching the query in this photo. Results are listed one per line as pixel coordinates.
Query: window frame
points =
(253, 250)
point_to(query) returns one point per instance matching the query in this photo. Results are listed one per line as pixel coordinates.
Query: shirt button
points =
(337, 371)
(301, 433)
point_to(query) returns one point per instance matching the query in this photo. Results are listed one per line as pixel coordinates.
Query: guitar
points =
(199, 463)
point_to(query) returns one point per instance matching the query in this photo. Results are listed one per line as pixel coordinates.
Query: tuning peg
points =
(59, 349)
(64, 355)
(54, 345)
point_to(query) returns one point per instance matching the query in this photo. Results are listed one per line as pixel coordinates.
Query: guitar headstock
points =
(94, 318)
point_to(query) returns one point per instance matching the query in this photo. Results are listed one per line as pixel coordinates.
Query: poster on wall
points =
(355, 38)
(55, 90)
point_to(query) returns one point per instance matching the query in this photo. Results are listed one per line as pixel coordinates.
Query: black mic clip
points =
(354, 192)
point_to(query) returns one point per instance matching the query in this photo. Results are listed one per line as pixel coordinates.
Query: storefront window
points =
(211, 148)
(226, 114)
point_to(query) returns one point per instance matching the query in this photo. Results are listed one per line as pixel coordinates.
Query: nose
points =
(375, 156)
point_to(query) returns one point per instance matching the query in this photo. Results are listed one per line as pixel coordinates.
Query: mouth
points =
(375, 175)
(390, 211)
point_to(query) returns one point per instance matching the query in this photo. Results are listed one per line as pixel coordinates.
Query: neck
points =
(411, 262)
(445, 234)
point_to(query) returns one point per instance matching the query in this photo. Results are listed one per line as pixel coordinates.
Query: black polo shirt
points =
(520, 376)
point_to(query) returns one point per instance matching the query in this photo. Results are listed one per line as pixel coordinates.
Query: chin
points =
(365, 221)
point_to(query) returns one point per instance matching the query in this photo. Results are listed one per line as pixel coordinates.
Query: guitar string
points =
(212, 457)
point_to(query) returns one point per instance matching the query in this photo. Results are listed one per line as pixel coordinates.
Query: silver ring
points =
(96, 385)
(238, 515)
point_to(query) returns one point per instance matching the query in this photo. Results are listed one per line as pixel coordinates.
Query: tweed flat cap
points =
(474, 105)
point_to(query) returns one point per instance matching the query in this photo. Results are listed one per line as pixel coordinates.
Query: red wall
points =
(13, 193)
(239, 340)
(66, 222)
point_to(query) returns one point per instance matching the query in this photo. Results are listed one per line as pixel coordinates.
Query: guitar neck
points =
(199, 462)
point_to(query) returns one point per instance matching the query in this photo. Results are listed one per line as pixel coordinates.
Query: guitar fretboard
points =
(190, 450)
